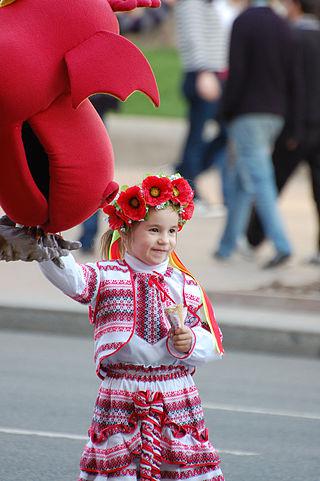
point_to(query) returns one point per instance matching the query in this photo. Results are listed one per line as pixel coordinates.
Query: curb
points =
(275, 301)
(290, 341)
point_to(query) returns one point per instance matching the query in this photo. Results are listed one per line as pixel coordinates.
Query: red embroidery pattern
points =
(185, 455)
(114, 408)
(145, 374)
(91, 284)
(151, 325)
(147, 443)
(111, 459)
(190, 281)
(191, 473)
(115, 311)
(106, 283)
(107, 347)
(122, 473)
(192, 297)
(119, 266)
(169, 272)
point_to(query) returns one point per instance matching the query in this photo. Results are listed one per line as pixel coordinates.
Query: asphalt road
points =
(263, 412)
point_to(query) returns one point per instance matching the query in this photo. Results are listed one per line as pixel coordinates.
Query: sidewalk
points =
(275, 311)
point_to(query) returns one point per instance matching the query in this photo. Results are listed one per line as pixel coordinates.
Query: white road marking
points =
(43, 434)
(269, 412)
(78, 437)
(237, 453)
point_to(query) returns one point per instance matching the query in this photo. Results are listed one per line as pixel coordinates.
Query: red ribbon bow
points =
(157, 280)
(149, 409)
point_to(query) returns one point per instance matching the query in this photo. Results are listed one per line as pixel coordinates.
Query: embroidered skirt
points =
(148, 425)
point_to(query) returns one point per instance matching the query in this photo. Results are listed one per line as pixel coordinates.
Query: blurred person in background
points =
(290, 152)
(143, 20)
(261, 84)
(203, 30)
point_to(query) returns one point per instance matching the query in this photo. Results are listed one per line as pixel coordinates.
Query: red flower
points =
(181, 191)
(115, 220)
(157, 190)
(132, 203)
(187, 211)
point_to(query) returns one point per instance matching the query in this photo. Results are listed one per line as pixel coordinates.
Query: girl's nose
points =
(163, 239)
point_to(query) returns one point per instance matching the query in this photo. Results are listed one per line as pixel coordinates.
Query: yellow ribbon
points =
(4, 3)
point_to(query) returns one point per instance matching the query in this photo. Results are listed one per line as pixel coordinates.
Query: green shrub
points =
(167, 68)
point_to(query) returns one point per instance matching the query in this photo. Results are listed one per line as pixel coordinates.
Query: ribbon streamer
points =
(149, 409)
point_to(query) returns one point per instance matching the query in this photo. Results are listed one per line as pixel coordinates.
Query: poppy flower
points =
(132, 203)
(115, 220)
(181, 191)
(187, 212)
(157, 190)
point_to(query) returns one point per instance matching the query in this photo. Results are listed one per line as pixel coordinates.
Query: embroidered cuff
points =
(181, 355)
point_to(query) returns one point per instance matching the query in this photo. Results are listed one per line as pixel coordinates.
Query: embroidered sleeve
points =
(78, 281)
(205, 348)
(90, 276)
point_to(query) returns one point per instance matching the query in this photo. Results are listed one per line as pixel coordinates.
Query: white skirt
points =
(148, 425)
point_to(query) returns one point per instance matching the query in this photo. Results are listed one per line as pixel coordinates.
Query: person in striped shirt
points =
(203, 28)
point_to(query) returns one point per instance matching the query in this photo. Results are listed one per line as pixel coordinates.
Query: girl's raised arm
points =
(78, 281)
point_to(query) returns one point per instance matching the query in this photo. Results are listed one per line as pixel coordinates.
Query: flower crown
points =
(158, 191)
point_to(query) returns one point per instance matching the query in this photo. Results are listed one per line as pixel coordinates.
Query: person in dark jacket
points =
(289, 153)
(261, 84)
(203, 30)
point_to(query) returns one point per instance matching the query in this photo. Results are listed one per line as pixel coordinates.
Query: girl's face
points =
(152, 240)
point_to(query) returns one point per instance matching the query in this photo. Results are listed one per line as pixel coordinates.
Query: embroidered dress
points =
(148, 422)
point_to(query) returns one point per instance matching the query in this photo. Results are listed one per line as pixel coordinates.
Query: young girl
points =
(148, 422)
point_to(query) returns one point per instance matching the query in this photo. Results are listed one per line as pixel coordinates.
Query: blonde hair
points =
(105, 243)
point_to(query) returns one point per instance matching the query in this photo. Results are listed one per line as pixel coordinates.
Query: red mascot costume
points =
(56, 158)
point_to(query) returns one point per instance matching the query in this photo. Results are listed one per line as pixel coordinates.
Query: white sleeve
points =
(205, 349)
(79, 281)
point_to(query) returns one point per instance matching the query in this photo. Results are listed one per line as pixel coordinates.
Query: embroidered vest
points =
(114, 313)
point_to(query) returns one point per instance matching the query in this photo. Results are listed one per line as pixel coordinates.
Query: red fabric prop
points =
(126, 5)
(53, 56)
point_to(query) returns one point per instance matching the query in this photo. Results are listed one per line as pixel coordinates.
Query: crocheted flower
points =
(157, 190)
(187, 211)
(181, 191)
(132, 203)
(115, 220)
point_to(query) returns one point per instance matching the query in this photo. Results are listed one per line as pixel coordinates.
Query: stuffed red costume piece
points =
(56, 159)
(125, 5)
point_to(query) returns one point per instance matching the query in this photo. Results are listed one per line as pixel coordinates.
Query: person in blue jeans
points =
(252, 138)
(198, 153)
(304, 17)
(262, 83)
(203, 30)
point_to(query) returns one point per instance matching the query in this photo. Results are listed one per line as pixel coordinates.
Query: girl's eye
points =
(173, 231)
(154, 229)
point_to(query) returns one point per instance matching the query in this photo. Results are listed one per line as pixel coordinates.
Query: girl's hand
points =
(182, 339)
